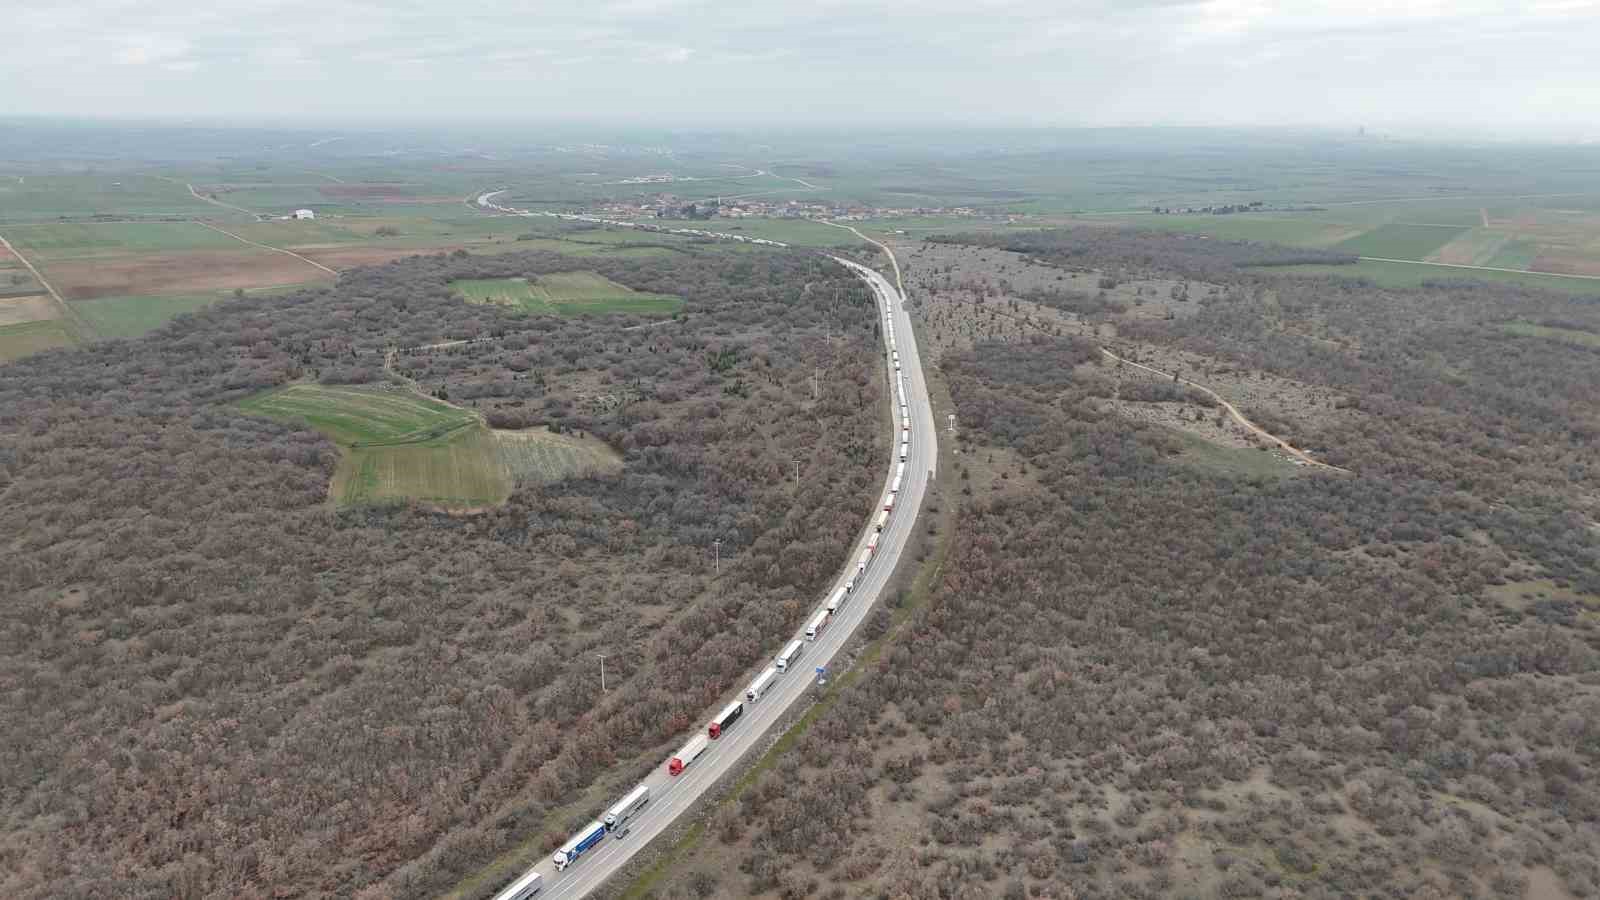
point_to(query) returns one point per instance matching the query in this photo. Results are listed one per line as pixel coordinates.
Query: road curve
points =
(670, 796)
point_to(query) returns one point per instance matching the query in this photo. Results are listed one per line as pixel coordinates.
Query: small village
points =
(671, 206)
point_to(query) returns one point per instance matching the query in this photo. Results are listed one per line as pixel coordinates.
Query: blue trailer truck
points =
(592, 834)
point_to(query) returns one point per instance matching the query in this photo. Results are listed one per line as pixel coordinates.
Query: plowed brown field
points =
(179, 273)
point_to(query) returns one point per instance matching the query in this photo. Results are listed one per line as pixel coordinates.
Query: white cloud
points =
(705, 61)
(141, 50)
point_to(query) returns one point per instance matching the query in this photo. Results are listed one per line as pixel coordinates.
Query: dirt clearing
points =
(1474, 248)
(16, 310)
(1565, 264)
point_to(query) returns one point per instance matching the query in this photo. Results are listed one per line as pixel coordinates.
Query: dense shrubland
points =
(1142, 676)
(1109, 251)
(214, 685)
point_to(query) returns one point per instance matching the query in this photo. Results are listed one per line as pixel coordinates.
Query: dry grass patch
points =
(16, 310)
(179, 273)
(1472, 248)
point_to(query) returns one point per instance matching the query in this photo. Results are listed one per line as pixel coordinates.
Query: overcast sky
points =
(1525, 66)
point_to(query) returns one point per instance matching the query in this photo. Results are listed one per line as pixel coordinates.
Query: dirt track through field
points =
(1418, 262)
(68, 314)
(1237, 416)
(388, 366)
(269, 247)
(204, 199)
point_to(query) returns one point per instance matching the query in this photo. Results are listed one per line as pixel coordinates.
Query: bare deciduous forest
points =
(1142, 675)
(217, 685)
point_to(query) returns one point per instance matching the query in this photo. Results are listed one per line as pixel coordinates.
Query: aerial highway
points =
(672, 795)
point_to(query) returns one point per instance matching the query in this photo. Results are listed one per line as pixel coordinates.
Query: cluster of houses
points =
(670, 206)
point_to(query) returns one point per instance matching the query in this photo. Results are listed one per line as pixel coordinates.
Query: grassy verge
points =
(1564, 335)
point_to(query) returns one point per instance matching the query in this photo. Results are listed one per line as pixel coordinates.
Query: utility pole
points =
(952, 418)
(797, 473)
(816, 373)
(602, 672)
(716, 548)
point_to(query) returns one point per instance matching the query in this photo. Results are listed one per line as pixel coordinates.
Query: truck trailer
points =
(760, 685)
(894, 487)
(523, 888)
(592, 834)
(881, 520)
(888, 502)
(817, 625)
(790, 654)
(905, 449)
(724, 720)
(687, 754)
(626, 808)
(837, 600)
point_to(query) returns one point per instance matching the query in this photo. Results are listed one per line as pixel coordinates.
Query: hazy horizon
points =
(1492, 70)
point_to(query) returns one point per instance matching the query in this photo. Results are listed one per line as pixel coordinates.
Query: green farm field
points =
(71, 240)
(17, 341)
(1294, 231)
(361, 416)
(799, 232)
(1564, 335)
(1514, 255)
(1396, 241)
(400, 446)
(38, 198)
(463, 471)
(129, 317)
(1400, 274)
(475, 467)
(567, 294)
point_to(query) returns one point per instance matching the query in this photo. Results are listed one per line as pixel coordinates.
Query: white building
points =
(304, 214)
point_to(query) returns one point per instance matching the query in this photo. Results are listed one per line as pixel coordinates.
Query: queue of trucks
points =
(617, 817)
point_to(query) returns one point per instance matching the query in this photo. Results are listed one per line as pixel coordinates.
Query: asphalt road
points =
(671, 797)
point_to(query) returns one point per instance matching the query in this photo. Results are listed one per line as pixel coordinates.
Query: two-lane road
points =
(671, 796)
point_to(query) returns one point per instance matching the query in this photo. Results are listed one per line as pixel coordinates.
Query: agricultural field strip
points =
(1423, 262)
(68, 313)
(365, 418)
(671, 797)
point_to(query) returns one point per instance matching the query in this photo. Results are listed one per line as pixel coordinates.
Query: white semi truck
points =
(790, 654)
(760, 685)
